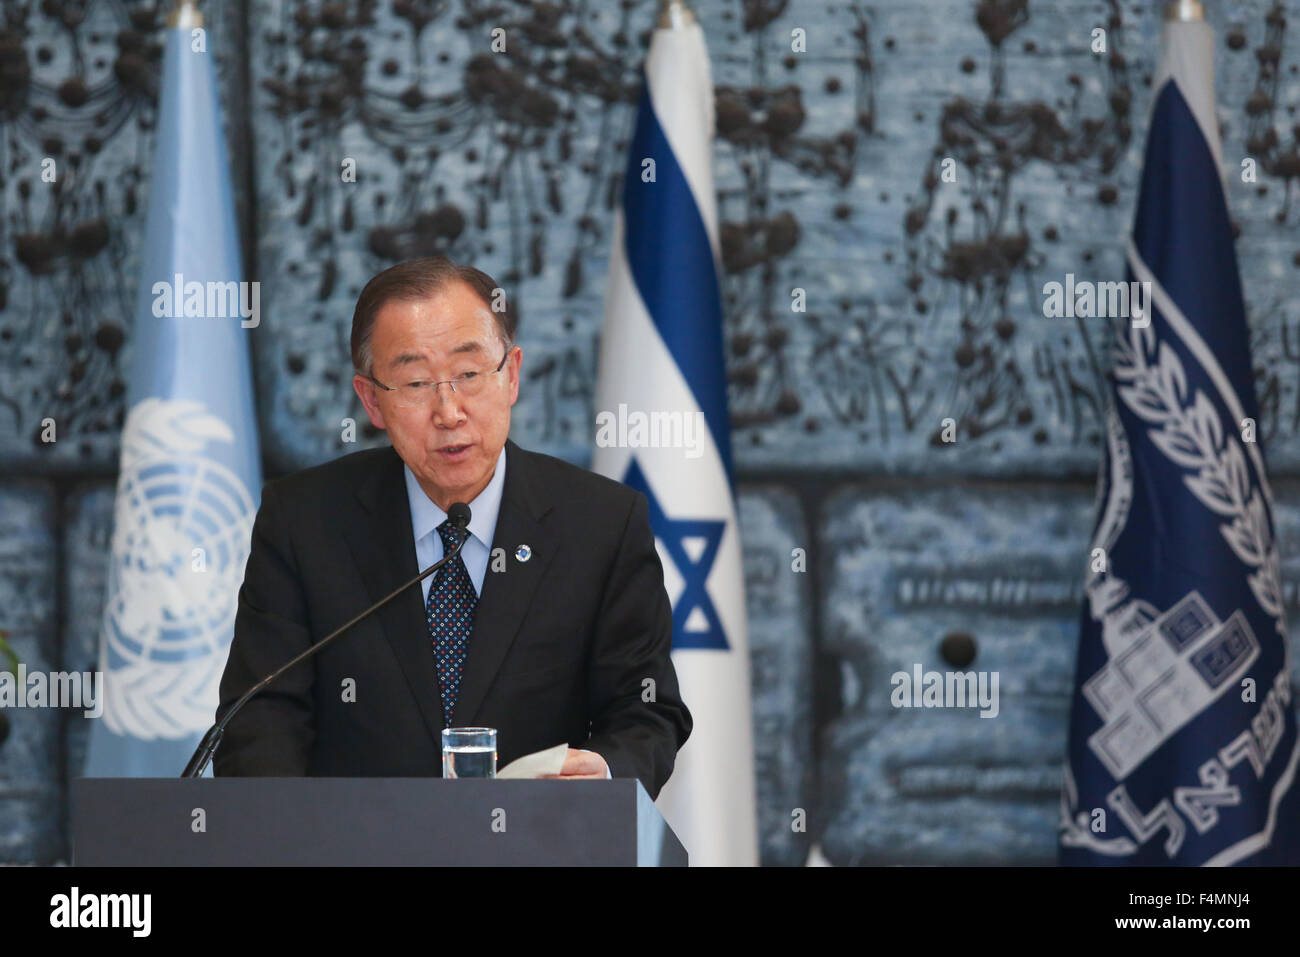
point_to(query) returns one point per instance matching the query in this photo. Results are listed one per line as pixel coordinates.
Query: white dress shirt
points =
(426, 517)
(477, 551)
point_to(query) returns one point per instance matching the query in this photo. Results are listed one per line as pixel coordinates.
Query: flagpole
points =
(1185, 11)
(185, 16)
(675, 15)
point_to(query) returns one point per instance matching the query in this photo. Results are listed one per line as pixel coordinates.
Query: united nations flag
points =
(189, 478)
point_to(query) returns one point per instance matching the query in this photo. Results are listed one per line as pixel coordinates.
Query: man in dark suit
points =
(551, 626)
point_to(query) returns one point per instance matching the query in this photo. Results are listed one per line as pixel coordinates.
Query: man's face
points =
(452, 442)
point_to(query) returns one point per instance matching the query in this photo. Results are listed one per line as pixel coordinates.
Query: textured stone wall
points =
(923, 302)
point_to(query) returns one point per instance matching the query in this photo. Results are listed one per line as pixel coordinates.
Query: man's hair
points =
(412, 281)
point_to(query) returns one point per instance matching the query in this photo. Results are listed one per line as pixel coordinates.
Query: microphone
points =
(458, 514)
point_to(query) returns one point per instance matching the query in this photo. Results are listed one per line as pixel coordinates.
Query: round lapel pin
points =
(523, 553)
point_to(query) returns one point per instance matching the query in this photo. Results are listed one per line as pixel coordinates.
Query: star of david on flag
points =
(691, 545)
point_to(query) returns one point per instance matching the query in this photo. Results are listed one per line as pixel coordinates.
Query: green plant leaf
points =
(8, 657)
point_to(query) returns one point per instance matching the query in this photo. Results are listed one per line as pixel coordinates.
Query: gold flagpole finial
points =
(674, 15)
(185, 15)
(1185, 11)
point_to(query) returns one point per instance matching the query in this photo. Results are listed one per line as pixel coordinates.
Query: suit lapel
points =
(507, 594)
(384, 549)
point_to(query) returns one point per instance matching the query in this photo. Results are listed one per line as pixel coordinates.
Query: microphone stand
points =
(208, 746)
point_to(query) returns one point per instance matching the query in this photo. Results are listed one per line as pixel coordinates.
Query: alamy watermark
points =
(128, 911)
(1098, 300)
(55, 689)
(208, 300)
(659, 429)
(950, 689)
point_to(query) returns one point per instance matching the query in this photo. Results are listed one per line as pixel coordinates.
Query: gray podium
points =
(322, 822)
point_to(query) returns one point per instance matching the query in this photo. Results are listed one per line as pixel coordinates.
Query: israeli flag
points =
(190, 478)
(663, 428)
(1183, 744)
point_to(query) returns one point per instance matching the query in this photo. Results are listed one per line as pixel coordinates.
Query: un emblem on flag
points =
(181, 535)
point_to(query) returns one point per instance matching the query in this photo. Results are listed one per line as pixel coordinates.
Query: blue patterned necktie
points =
(450, 613)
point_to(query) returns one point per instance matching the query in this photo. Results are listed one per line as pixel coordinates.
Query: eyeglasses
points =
(419, 394)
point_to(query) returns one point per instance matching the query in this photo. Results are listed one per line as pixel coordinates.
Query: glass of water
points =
(469, 752)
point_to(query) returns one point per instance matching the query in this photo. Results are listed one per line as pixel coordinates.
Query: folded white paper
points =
(536, 764)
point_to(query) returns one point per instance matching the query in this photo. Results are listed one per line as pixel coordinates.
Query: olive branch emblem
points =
(1189, 431)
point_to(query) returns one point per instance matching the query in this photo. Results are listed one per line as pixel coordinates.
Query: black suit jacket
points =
(561, 650)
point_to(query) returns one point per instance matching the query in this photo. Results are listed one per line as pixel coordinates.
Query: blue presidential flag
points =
(189, 476)
(1183, 744)
(662, 427)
